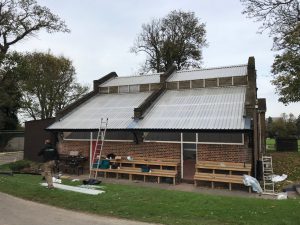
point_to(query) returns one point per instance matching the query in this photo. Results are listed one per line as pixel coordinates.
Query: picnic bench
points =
(225, 172)
(159, 168)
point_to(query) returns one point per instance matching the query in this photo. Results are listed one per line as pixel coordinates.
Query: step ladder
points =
(267, 174)
(96, 158)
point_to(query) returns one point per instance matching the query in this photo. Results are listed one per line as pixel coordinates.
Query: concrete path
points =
(15, 211)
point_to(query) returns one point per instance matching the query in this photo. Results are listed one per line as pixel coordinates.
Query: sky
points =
(102, 33)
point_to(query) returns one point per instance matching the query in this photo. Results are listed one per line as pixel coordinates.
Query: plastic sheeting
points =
(251, 181)
(76, 189)
(278, 178)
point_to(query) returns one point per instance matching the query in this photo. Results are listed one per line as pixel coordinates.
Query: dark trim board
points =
(156, 130)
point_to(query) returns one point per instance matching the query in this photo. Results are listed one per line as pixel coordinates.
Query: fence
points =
(11, 141)
(271, 144)
(11, 146)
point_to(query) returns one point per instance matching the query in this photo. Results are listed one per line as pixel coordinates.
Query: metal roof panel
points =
(208, 108)
(117, 107)
(133, 80)
(229, 71)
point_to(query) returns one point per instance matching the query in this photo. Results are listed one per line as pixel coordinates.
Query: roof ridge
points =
(210, 68)
(140, 75)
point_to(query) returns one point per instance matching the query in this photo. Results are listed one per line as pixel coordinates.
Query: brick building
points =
(194, 115)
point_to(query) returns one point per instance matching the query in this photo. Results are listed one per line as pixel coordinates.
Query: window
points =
(116, 136)
(189, 137)
(124, 89)
(109, 136)
(226, 138)
(104, 90)
(134, 88)
(162, 136)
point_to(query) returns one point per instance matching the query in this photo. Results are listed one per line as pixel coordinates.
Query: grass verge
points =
(286, 163)
(158, 206)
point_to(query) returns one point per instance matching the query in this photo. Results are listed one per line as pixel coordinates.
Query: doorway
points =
(189, 161)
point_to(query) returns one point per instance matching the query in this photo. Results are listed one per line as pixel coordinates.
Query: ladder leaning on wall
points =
(96, 157)
(267, 174)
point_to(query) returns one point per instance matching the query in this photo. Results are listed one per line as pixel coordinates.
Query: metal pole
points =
(181, 144)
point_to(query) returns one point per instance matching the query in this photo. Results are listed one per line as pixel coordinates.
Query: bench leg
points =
(117, 176)
(105, 175)
(158, 180)
(195, 183)
(212, 185)
(249, 189)
(144, 178)
(174, 181)
(230, 186)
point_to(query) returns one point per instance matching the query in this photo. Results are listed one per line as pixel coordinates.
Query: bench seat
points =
(137, 171)
(221, 172)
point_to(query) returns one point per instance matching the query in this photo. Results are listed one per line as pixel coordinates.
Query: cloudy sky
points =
(102, 33)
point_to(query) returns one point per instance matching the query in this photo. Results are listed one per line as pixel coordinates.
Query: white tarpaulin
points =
(277, 178)
(251, 181)
(76, 189)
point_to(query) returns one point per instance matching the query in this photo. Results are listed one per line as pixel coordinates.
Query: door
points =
(189, 161)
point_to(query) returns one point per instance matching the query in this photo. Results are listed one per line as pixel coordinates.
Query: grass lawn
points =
(286, 163)
(156, 205)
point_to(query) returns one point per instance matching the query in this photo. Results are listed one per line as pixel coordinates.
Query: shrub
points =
(19, 165)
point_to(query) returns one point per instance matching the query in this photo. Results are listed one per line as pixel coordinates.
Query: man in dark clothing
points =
(50, 155)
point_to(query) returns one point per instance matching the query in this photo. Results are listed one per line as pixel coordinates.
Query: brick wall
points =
(83, 147)
(142, 150)
(209, 152)
(225, 153)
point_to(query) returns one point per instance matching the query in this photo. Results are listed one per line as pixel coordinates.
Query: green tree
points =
(269, 131)
(286, 69)
(48, 84)
(291, 125)
(10, 96)
(284, 126)
(298, 126)
(177, 38)
(9, 93)
(19, 19)
(282, 19)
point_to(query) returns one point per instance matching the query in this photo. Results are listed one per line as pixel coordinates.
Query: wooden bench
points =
(225, 172)
(150, 162)
(159, 168)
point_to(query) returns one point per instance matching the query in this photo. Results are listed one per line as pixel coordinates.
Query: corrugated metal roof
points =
(132, 80)
(117, 107)
(229, 71)
(208, 108)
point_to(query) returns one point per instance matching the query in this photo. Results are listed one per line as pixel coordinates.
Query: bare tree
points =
(22, 18)
(282, 19)
(279, 17)
(177, 38)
